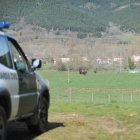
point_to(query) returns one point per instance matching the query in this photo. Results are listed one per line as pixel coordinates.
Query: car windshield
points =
(5, 58)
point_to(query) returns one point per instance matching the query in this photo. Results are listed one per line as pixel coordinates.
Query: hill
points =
(88, 16)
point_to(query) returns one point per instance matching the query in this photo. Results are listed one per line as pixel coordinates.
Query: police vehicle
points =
(24, 93)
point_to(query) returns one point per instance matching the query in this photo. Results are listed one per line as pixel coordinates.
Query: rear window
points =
(5, 57)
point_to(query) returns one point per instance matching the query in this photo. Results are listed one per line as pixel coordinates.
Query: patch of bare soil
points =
(69, 125)
(109, 125)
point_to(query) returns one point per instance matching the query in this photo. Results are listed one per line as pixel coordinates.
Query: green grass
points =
(101, 80)
(98, 119)
(126, 38)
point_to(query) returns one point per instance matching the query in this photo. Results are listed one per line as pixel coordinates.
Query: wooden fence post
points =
(92, 97)
(122, 96)
(68, 75)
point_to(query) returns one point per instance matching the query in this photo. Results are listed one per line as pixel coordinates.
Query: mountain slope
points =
(73, 15)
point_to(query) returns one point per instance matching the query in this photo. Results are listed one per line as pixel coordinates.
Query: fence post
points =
(70, 95)
(68, 75)
(109, 97)
(104, 90)
(131, 96)
(92, 97)
(136, 89)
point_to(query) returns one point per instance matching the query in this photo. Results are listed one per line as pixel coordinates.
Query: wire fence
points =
(98, 96)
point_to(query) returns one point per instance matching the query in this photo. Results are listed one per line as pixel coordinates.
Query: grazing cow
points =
(82, 72)
(95, 71)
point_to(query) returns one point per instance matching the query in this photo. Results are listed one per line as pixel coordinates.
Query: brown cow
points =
(82, 72)
(95, 71)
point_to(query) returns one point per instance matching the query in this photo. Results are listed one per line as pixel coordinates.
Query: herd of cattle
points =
(85, 71)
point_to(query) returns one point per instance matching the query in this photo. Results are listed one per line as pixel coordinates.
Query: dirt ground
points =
(69, 126)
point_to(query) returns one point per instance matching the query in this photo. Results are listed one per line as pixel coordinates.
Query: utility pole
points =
(68, 74)
(127, 57)
(120, 61)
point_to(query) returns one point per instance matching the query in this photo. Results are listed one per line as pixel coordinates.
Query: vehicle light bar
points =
(4, 24)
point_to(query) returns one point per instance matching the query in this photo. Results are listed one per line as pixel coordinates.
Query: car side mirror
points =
(36, 63)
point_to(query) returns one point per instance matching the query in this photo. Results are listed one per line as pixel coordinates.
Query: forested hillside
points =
(89, 16)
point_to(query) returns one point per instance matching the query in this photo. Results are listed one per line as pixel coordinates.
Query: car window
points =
(19, 61)
(5, 57)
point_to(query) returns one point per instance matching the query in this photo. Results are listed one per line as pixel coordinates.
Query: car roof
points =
(1, 33)
(7, 35)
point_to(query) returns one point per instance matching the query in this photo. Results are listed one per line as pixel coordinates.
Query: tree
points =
(52, 60)
(81, 35)
(57, 33)
(131, 64)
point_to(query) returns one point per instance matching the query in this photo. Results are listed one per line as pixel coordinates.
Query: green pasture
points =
(126, 38)
(102, 87)
(96, 117)
(92, 82)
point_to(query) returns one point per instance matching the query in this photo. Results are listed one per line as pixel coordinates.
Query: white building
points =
(136, 57)
(118, 58)
(65, 59)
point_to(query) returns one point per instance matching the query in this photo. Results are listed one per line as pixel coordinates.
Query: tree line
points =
(72, 15)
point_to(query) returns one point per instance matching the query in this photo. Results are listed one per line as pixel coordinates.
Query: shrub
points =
(60, 66)
(57, 33)
(36, 37)
(131, 64)
(76, 63)
(81, 35)
(97, 34)
(50, 60)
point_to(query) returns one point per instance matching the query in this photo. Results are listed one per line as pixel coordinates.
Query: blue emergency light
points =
(4, 24)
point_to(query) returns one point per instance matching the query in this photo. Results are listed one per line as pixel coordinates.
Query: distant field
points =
(63, 37)
(126, 38)
(129, 38)
(99, 119)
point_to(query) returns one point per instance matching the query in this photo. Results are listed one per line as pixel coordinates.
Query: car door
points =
(8, 76)
(27, 80)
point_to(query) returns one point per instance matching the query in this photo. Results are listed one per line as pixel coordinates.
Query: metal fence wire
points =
(97, 96)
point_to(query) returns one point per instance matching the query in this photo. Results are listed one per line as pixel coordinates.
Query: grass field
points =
(126, 38)
(81, 118)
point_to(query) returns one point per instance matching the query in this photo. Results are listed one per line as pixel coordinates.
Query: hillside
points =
(89, 16)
